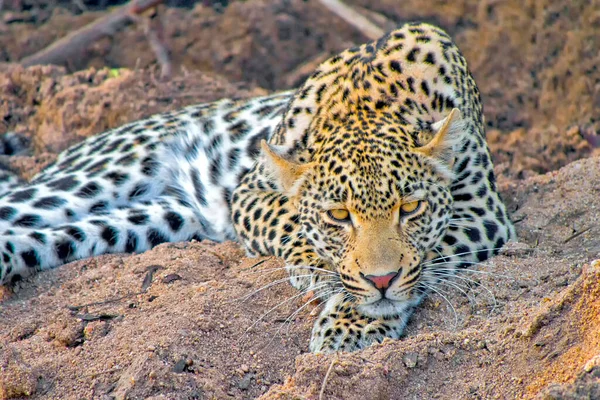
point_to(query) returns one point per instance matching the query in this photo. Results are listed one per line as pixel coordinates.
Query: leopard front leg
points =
(341, 327)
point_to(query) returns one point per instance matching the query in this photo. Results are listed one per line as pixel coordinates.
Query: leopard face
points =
(373, 219)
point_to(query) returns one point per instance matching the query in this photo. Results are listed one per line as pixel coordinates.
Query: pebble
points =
(245, 368)
(244, 383)
(410, 360)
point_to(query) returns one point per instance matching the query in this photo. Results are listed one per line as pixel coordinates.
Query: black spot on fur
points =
(174, 220)
(110, 235)
(462, 249)
(90, 190)
(75, 233)
(238, 131)
(412, 55)
(30, 258)
(463, 197)
(49, 202)
(478, 211)
(155, 237)
(126, 160)
(100, 207)
(132, 241)
(23, 195)
(118, 178)
(482, 255)
(253, 147)
(66, 184)
(429, 58)
(27, 220)
(7, 213)
(39, 237)
(473, 234)
(138, 219)
(114, 145)
(138, 191)
(64, 250)
(150, 166)
(490, 229)
(98, 166)
(395, 66)
(198, 187)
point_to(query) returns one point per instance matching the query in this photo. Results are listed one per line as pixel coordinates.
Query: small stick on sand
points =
(324, 384)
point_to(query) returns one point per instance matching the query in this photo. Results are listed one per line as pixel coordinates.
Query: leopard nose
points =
(381, 281)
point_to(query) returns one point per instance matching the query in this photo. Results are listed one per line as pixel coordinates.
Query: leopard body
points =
(372, 182)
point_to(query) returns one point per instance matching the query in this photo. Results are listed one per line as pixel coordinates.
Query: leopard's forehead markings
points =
(369, 176)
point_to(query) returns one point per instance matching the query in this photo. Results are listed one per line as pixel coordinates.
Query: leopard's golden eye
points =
(339, 215)
(410, 208)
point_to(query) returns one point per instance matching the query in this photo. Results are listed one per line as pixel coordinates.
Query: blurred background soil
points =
(536, 63)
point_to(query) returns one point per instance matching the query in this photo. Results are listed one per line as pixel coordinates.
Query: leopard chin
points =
(383, 308)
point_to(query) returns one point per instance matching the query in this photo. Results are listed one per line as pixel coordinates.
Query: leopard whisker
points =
(269, 285)
(458, 287)
(432, 287)
(468, 286)
(288, 320)
(445, 277)
(457, 271)
(289, 299)
(463, 253)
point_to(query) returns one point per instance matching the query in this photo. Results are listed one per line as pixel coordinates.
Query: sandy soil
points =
(177, 322)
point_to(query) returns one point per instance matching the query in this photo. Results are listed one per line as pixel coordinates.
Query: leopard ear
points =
(447, 133)
(287, 173)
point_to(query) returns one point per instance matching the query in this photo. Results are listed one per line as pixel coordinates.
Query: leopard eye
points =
(339, 215)
(410, 208)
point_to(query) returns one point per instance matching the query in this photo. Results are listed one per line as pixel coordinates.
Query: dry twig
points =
(354, 18)
(153, 29)
(80, 39)
(324, 384)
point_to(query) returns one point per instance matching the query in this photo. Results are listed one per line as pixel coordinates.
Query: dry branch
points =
(80, 39)
(153, 29)
(354, 18)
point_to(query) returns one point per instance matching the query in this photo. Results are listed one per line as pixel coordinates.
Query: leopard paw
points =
(341, 327)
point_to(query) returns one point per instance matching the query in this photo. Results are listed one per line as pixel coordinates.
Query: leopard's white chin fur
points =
(387, 308)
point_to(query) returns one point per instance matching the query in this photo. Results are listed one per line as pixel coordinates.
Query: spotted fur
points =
(388, 135)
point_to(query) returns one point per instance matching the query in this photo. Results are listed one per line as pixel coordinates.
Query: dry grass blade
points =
(324, 384)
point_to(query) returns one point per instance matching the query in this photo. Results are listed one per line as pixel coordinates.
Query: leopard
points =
(372, 182)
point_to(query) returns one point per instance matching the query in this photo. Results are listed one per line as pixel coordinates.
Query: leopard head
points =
(372, 203)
